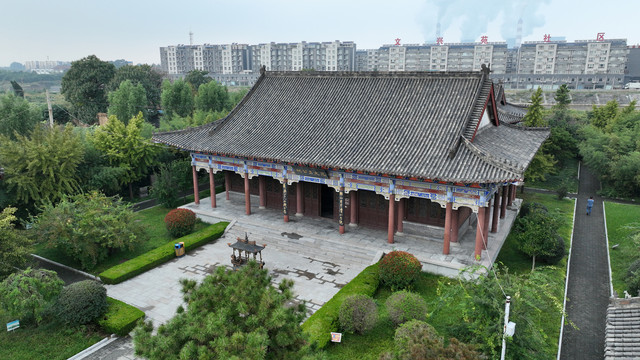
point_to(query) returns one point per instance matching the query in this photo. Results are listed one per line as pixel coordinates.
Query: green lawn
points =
(619, 218)
(568, 173)
(444, 316)
(153, 222)
(46, 342)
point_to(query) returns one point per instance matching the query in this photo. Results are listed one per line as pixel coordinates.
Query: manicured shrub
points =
(415, 340)
(632, 279)
(28, 295)
(324, 321)
(404, 306)
(160, 255)
(527, 207)
(180, 222)
(358, 314)
(81, 302)
(399, 269)
(557, 253)
(120, 318)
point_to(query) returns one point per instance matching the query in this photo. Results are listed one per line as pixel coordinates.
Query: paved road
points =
(588, 290)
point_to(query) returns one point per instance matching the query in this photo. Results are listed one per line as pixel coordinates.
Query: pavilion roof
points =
(410, 124)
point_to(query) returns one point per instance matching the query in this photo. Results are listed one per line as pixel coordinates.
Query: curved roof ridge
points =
(526, 128)
(498, 162)
(372, 74)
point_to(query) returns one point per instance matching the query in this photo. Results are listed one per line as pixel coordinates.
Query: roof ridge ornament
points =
(501, 163)
(263, 70)
(486, 69)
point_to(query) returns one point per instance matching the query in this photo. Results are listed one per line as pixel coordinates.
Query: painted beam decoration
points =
(472, 197)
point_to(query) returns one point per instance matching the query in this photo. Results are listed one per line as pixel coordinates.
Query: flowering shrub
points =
(180, 222)
(404, 306)
(399, 269)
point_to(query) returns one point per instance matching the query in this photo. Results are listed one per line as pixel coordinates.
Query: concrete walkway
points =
(588, 290)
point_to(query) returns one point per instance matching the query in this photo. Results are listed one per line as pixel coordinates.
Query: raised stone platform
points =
(319, 237)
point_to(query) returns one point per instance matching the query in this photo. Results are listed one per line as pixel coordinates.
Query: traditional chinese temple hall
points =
(431, 160)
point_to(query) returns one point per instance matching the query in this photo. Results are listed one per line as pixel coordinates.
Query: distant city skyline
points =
(69, 30)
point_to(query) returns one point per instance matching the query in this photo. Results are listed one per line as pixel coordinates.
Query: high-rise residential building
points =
(243, 58)
(546, 63)
(582, 64)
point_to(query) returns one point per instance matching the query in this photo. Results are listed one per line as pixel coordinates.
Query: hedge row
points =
(120, 318)
(324, 321)
(161, 254)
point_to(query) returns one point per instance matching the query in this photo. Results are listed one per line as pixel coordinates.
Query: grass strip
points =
(161, 254)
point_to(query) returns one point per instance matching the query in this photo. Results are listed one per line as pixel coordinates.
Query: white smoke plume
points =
(476, 16)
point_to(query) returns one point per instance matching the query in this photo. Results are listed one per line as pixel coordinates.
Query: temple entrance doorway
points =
(326, 202)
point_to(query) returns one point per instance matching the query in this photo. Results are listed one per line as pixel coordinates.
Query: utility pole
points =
(50, 109)
(504, 330)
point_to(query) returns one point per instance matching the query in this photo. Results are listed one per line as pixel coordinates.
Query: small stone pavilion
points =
(371, 149)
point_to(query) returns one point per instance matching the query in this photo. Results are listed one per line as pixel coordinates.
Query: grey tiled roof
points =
(402, 124)
(622, 332)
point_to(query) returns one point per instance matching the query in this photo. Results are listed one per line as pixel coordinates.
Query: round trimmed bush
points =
(404, 306)
(358, 314)
(632, 280)
(528, 207)
(399, 269)
(180, 222)
(557, 254)
(81, 302)
(416, 339)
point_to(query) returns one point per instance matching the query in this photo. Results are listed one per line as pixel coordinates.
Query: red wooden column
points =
(195, 185)
(299, 199)
(496, 212)
(262, 191)
(479, 233)
(341, 209)
(514, 192)
(447, 228)
(487, 216)
(212, 188)
(227, 183)
(455, 226)
(285, 201)
(511, 195)
(247, 194)
(392, 217)
(503, 209)
(400, 219)
(353, 200)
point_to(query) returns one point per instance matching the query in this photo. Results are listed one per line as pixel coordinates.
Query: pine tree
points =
(534, 116)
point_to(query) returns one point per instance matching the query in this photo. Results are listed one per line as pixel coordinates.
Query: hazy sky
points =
(135, 29)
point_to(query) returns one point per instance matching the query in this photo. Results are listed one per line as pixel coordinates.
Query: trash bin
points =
(179, 247)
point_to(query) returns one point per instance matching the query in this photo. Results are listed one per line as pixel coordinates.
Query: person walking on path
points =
(589, 205)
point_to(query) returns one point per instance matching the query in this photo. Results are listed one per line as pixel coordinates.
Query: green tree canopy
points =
(87, 227)
(536, 233)
(28, 294)
(14, 245)
(85, 87)
(196, 78)
(41, 168)
(230, 315)
(125, 148)
(603, 115)
(16, 116)
(177, 98)
(562, 96)
(212, 97)
(145, 75)
(482, 300)
(535, 116)
(127, 101)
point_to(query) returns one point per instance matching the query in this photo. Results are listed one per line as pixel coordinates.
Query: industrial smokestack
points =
(519, 34)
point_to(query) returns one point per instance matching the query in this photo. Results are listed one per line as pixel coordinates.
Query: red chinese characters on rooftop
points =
(439, 40)
(484, 39)
(398, 41)
(547, 38)
(600, 37)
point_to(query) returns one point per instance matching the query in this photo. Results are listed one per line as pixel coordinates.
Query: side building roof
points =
(423, 125)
